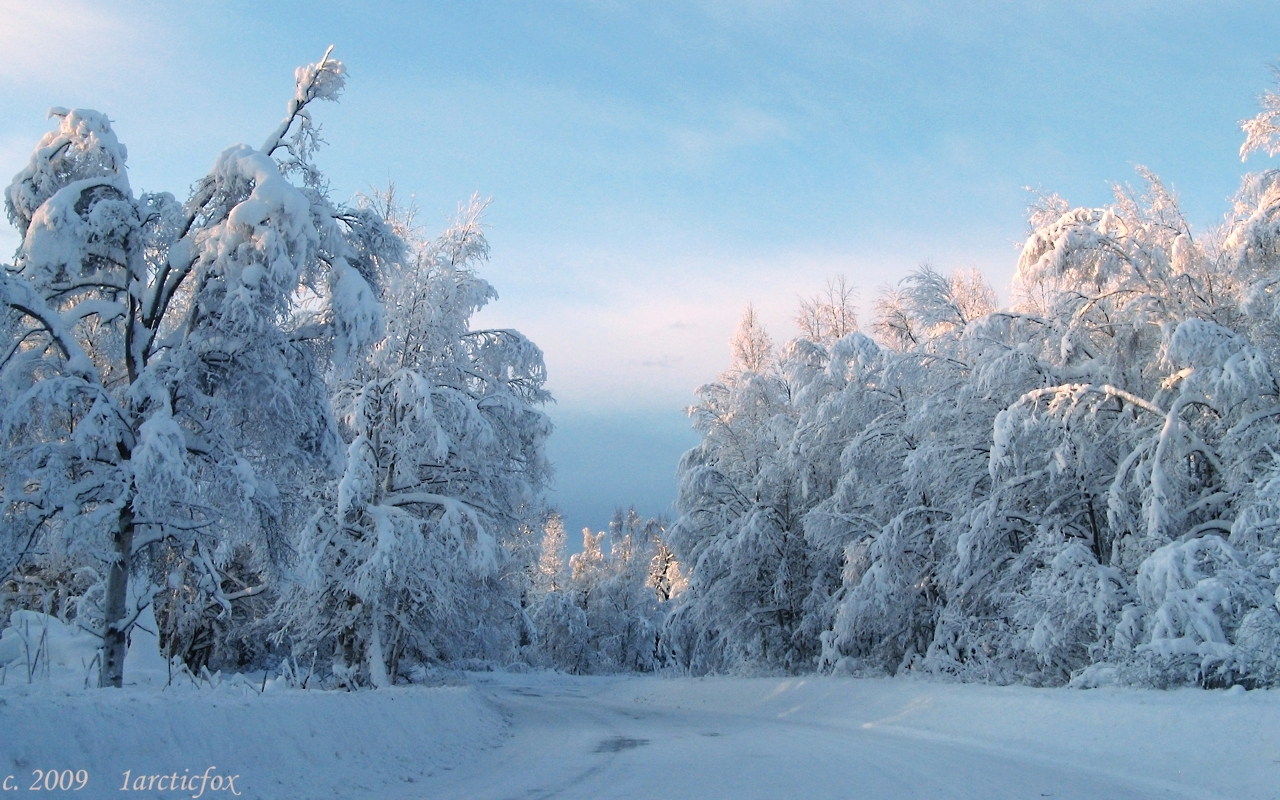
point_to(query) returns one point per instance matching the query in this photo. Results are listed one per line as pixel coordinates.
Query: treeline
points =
(1084, 487)
(604, 611)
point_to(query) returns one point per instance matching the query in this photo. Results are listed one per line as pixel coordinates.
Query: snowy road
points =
(491, 736)
(625, 738)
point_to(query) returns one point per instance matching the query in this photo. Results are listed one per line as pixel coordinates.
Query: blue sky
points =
(655, 166)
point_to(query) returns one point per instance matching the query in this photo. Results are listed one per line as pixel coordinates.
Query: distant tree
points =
(604, 616)
(752, 347)
(666, 577)
(831, 315)
(623, 611)
(559, 621)
(551, 574)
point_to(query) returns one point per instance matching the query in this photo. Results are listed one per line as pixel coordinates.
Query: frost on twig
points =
(1262, 131)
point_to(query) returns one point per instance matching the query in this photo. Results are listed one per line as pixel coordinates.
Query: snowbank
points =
(284, 743)
(38, 647)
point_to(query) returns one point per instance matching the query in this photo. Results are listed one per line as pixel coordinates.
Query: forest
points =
(261, 420)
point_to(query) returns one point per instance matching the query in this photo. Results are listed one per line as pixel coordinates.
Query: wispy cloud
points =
(663, 362)
(650, 331)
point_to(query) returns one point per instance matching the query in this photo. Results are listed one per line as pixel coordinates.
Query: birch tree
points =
(404, 558)
(161, 375)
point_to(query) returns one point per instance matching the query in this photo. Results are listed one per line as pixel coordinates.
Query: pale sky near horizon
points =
(656, 166)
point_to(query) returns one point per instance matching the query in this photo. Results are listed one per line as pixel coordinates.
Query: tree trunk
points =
(373, 652)
(114, 637)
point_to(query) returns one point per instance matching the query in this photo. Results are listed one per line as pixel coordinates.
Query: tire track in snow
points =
(593, 738)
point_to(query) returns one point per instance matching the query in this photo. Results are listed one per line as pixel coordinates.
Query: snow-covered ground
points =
(502, 735)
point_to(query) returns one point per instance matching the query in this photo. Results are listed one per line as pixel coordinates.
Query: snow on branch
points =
(1262, 131)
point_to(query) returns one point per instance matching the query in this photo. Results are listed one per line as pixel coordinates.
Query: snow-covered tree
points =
(912, 432)
(559, 621)
(831, 314)
(623, 608)
(161, 377)
(604, 614)
(740, 508)
(552, 573)
(405, 558)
